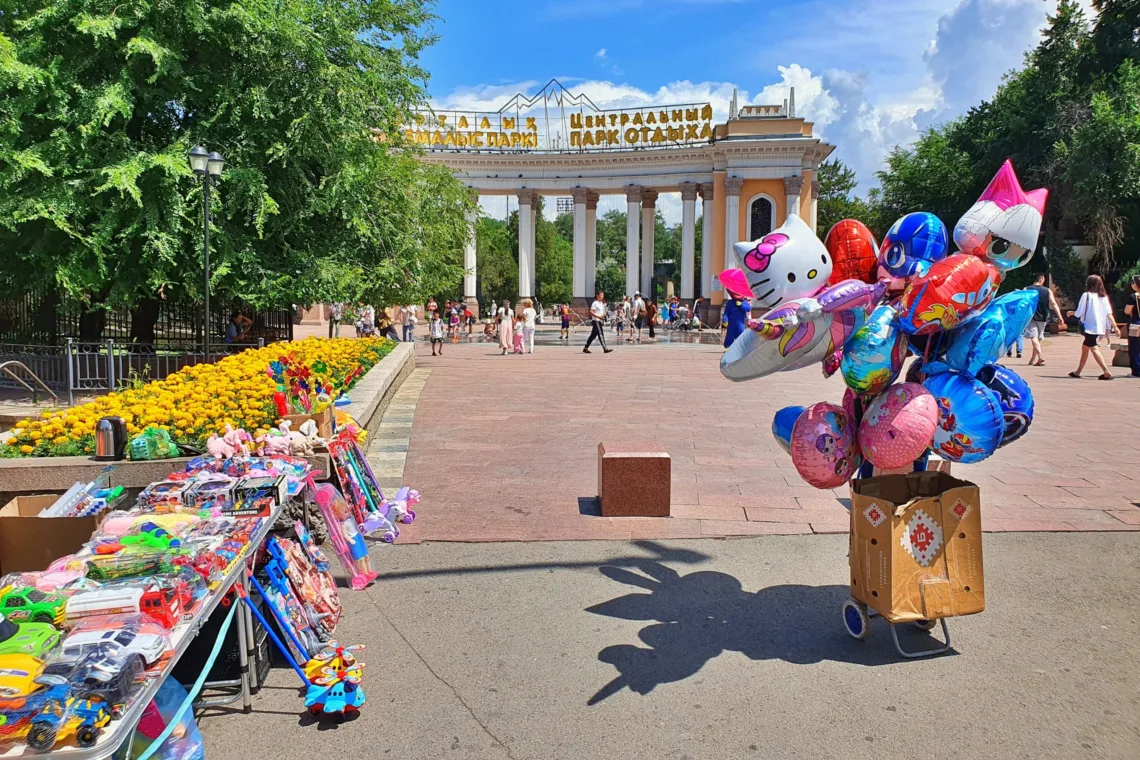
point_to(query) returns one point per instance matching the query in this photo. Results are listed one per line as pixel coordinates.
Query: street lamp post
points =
(208, 166)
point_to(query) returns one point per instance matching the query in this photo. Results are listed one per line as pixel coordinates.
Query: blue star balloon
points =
(782, 425)
(970, 419)
(1015, 398)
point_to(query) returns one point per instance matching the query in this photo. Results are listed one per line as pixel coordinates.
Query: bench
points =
(634, 480)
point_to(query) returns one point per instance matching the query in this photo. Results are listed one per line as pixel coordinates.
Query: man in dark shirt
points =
(1046, 303)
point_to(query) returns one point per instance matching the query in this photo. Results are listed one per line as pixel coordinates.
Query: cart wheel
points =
(86, 736)
(388, 537)
(409, 518)
(925, 625)
(855, 619)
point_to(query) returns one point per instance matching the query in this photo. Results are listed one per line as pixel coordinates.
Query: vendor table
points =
(120, 731)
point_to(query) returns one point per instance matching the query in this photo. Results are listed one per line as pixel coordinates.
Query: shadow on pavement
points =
(700, 615)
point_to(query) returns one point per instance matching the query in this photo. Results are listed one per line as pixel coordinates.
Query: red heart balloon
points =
(853, 250)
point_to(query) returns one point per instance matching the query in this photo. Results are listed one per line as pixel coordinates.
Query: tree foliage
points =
(100, 101)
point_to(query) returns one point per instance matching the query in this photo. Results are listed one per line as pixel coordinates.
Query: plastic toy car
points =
(36, 639)
(20, 696)
(107, 676)
(30, 605)
(107, 642)
(65, 715)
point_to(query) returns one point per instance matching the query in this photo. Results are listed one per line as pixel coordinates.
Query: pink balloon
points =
(824, 448)
(849, 398)
(898, 426)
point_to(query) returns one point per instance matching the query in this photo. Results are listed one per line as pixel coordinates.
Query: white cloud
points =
(973, 44)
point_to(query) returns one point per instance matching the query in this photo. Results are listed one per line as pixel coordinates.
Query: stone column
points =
(591, 244)
(580, 239)
(815, 205)
(632, 222)
(706, 190)
(793, 186)
(527, 200)
(688, 238)
(469, 263)
(732, 187)
(648, 228)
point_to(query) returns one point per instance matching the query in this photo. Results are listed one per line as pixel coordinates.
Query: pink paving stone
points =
(698, 512)
(502, 448)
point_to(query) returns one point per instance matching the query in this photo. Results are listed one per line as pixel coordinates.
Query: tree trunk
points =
(143, 319)
(91, 325)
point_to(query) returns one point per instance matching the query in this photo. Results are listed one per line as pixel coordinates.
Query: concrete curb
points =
(371, 396)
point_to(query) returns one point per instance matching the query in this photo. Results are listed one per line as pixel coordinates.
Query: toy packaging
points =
(152, 443)
(345, 533)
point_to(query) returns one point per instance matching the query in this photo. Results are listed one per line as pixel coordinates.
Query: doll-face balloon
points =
(912, 245)
(854, 252)
(825, 451)
(789, 262)
(1002, 227)
(898, 426)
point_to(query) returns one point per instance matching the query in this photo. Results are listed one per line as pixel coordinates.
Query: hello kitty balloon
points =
(789, 262)
(1002, 227)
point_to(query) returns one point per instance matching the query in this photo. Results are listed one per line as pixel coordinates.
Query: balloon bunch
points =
(860, 314)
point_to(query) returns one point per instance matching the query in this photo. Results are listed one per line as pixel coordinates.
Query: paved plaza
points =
(505, 448)
(707, 650)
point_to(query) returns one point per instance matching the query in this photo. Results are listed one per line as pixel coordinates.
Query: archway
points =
(761, 215)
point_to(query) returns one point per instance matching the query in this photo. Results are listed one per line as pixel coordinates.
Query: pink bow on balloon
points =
(759, 257)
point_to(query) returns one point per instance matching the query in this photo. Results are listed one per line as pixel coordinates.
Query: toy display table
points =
(121, 731)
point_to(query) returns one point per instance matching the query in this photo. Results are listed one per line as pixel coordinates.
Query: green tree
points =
(498, 266)
(837, 196)
(100, 100)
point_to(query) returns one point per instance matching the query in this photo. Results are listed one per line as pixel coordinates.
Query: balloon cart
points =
(916, 555)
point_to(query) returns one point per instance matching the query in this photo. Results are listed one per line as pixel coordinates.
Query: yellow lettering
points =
(508, 123)
(492, 139)
(600, 136)
(449, 138)
(463, 122)
(419, 118)
(463, 139)
(624, 118)
(443, 119)
(410, 135)
(706, 112)
(437, 138)
(531, 124)
(587, 138)
(575, 139)
(613, 119)
(663, 117)
(658, 135)
(612, 137)
(589, 122)
(651, 119)
(477, 139)
(422, 137)
(706, 131)
(674, 134)
(516, 139)
(631, 135)
(691, 114)
(677, 115)
(575, 122)
(691, 132)
(531, 140)
(637, 119)
(484, 124)
(644, 131)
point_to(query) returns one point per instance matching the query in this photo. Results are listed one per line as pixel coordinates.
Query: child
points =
(436, 333)
(453, 324)
(518, 342)
(565, 334)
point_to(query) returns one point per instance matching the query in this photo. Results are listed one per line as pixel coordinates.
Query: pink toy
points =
(299, 445)
(346, 536)
(219, 448)
(898, 426)
(824, 448)
(237, 440)
(274, 444)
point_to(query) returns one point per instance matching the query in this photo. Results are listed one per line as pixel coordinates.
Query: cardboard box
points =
(28, 542)
(916, 546)
(324, 420)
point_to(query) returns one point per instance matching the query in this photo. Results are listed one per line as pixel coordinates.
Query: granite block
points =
(633, 480)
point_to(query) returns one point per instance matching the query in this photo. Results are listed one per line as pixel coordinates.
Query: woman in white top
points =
(528, 315)
(503, 315)
(1095, 313)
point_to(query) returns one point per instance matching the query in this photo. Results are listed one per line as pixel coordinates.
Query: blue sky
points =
(870, 73)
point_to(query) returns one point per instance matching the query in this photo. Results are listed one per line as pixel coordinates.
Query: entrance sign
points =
(556, 120)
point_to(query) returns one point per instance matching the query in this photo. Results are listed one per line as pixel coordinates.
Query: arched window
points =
(761, 211)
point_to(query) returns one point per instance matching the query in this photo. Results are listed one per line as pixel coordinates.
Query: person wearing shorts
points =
(436, 333)
(638, 313)
(1035, 331)
(565, 334)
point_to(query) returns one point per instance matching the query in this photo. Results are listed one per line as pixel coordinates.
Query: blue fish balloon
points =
(873, 356)
(985, 339)
(1015, 398)
(970, 418)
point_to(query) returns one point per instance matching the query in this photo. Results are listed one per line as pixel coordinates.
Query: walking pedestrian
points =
(518, 334)
(737, 310)
(453, 321)
(435, 333)
(651, 317)
(698, 302)
(1133, 312)
(1035, 331)
(336, 313)
(408, 319)
(638, 313)
(469, 319)
(597, 323)
(565, 332)
(1095, 313)
(528, 317)
(504, 316)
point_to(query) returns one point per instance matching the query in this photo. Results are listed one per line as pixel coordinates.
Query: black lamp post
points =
(209, 167)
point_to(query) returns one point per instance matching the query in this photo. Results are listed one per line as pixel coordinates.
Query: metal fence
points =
(76, 367)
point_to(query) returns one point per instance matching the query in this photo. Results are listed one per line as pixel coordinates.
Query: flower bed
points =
(200, 400)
